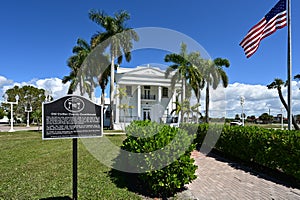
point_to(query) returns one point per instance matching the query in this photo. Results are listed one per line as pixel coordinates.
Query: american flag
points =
(273, 20)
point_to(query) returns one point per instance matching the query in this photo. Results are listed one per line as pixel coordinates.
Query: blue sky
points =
(37, 36)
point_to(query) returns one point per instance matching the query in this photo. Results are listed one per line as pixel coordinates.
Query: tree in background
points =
(28, 95)
(213, 74)
(184, 71)
(278, 84)
(76, 76)
(37, 117)
(118, 38)
(2, 113)
(266, 118)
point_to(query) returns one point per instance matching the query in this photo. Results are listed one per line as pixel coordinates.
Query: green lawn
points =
(31, 168)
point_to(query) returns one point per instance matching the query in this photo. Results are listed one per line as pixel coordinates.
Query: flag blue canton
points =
(275, 19)
(278, 8)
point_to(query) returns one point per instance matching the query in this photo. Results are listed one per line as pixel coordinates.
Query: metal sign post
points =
(72, 117)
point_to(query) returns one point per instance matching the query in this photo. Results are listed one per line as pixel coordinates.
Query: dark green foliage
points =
(275, 149)
(193, 129)
(29, 96)
(166, 159)
(2, 113)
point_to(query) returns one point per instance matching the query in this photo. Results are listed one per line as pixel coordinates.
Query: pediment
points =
(151, 72)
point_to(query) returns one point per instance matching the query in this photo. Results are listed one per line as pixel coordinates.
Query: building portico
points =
(148, 95)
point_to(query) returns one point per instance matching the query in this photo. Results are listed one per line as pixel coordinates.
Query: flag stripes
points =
(264, 28)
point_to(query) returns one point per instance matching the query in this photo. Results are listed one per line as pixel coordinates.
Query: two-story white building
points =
(148, 95)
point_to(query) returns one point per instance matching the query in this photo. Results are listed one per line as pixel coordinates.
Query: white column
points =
(11, 118)
(117, 117)
(139, 101)
(159, 93)
(173, 99)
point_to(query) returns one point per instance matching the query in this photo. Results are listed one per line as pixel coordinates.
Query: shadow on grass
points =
(57, 198)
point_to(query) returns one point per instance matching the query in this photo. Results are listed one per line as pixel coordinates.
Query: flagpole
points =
(289, 64)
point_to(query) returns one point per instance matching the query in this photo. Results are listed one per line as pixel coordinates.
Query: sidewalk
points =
(221, 179)
(6, 128)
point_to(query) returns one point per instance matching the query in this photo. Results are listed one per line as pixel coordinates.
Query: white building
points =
(149, 95)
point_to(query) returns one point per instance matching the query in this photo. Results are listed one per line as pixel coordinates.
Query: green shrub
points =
(197, 131)
(275, 149)
(166, 160)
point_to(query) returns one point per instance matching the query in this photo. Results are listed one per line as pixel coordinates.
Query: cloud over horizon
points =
(225, 102)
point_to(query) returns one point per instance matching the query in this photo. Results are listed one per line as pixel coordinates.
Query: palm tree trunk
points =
(81, 86)
(286, 107)
(112, 81)
(182, 97)
(103, 97)
(207, 105)
(102, 86)
(198, 110)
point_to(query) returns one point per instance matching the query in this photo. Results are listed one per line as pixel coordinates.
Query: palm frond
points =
(170, 69)
(297, 76)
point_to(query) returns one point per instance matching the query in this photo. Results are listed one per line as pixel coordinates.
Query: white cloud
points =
(223, 102)
(258, 99)
(4, 81)
(55, 85)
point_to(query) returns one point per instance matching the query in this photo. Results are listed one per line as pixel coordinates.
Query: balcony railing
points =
(148, 97)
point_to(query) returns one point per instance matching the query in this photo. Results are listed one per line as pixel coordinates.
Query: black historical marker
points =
(72, 117)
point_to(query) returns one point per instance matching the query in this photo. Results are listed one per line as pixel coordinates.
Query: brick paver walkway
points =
(224, 180)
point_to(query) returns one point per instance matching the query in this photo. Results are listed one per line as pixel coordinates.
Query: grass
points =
(31, 168)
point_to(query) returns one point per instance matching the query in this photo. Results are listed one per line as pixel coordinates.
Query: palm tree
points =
(103, 81)
(297, 77)
(72, 77)
(75, 62)
(185, 71)
(213, 74)
(277, 84)
(118, 38)
(37, 115)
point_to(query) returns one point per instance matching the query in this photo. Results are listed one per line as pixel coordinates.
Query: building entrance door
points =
(146, 114)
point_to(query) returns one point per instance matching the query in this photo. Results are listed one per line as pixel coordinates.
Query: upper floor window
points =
(129, 90)
(165, 92)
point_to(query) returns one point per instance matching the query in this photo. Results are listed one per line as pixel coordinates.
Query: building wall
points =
(151, 104)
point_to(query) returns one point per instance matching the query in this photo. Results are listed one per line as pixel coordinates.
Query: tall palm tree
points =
(75, 62)
(213, 74)
(103, 80)
(118, 38)
(277, 84)
(185, 71)
(72, 77)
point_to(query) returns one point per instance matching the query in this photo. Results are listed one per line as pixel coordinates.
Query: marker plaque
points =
(72, 116)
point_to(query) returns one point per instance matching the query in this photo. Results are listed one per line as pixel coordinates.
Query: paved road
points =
(221, 179)
(5, 128)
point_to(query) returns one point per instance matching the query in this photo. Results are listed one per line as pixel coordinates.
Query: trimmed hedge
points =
(149, 138)
(275, 149)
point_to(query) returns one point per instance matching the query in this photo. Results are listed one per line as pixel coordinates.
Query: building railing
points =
(128, 119)
(148, 97)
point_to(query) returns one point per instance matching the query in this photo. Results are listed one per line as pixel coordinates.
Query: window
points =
(147, 92)
(165, 92)
(107, 114)
(129, 90)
